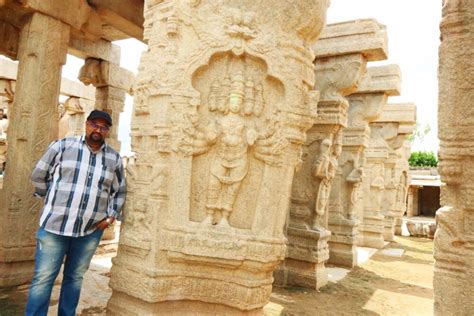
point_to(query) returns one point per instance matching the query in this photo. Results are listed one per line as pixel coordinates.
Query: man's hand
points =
(106, 222)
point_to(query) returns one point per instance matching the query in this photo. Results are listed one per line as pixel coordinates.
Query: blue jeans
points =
(50, 252)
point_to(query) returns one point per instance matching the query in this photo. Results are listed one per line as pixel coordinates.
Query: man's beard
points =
(96, 138)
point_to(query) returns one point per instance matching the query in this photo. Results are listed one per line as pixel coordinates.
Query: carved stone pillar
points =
(223, 102)
(340, 66)
(454, 238)
(32, 127)
(112, 84)
(72, 123)
(7, 88)
(402, 172)
(346, 203)
(403, 116)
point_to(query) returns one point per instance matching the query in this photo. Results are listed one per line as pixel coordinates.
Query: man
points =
(82, 182)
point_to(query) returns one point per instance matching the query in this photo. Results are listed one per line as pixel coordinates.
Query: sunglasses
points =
(102, 128)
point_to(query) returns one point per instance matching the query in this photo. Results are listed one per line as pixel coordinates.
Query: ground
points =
(395, 281)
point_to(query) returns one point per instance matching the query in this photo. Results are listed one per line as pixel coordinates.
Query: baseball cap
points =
(96, 114)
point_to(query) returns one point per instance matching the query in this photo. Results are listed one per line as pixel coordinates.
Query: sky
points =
(413, 40)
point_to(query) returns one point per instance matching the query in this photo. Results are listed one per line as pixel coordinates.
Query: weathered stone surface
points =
(337, 74)
(403, 115)
(454, 238)
(353, 37)
(223, 100)
(112, 83)
(35, 106)
(72, 123)
(9, 70)
(9, 36)
(346, 202)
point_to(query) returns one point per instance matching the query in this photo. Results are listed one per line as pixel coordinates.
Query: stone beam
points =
(353, 37)
(100, 49)
(127, 16)
(402, 113)
(8, 70)
(386, 79)
(76, 13)
(9, 37)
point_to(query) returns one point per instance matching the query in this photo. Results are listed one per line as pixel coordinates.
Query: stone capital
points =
(338, 76)
(102, 73)
(9, 37)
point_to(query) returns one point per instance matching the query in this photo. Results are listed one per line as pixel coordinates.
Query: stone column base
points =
(389, 228)
(305, 262)
(371, 232)
(342, 243)
(398, 226)
(126, 305)
(16, 273)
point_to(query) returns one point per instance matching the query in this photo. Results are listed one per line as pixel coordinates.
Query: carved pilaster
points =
(223, 101)
(454, 238)
(42, 52)
(341, 58)
(402, 115)
(346, 201)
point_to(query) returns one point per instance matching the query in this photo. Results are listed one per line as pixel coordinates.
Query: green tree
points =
(423, 159)
(420, 132)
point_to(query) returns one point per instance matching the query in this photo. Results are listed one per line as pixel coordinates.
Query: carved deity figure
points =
(355, 180)
(233, 133)
(324, 168)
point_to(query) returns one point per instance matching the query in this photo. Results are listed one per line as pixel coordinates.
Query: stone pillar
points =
(346, 203)
(402, 171)
(402, 117)
(72, 123)
(454, 238)
(412, 203)
(112, 84)
(32, 127)
(7, 88)
(340, 65)
(223, 102)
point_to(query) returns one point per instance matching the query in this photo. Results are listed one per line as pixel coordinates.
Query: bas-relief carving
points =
(310, 193)
(224, 112)
(232, 138)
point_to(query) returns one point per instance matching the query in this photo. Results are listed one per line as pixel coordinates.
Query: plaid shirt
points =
(80, 187)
